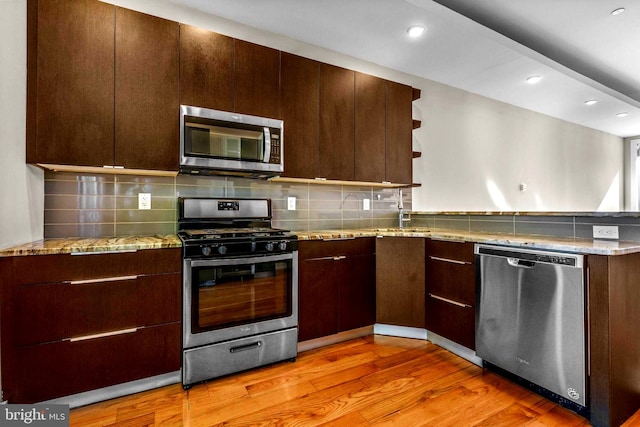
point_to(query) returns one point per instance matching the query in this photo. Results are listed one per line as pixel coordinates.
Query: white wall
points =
(21, 186)
(476, 152)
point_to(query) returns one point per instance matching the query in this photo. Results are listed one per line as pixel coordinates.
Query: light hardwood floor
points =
(371, 381)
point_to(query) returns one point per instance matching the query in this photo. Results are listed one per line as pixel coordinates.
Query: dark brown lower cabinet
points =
(50, 370)
(400, 281)
(336, 286)
(614, 338)
(451, 291)
(71, 324)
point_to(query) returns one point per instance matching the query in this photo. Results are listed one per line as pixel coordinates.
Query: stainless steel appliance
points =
(220, 142)
(240, 287)
(531, 319)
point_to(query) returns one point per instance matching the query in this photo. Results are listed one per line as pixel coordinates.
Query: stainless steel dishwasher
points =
(531, 318)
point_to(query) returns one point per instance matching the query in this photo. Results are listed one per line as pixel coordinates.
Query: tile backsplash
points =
(88, 205)
(569, 225)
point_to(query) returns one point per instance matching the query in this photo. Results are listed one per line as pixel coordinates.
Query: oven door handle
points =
(238, 261)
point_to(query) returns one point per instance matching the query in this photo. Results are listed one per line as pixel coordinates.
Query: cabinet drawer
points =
(325, 248)
(451, 321)
(47, 371)
(454, 251)
(450, 280)
(95, 265)
(52, 312)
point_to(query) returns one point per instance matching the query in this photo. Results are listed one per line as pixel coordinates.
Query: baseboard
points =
(400, 331)
(455, 348)
(335, 338)
(118, 390)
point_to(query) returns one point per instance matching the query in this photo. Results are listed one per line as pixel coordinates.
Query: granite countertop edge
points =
(577, 245)
(128, 243)
(92, 244)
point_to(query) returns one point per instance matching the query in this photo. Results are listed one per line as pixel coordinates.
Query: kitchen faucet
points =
(401, 218)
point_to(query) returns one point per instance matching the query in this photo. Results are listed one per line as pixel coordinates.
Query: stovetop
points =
(212, 228)
(237, 232)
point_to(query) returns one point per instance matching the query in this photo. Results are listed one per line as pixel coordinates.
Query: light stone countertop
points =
(111, 244)
(92, 244)
(583, 246)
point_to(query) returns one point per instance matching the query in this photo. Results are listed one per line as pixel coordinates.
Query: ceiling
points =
(485, 47)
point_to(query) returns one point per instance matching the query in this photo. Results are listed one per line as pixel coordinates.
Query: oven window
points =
(233, 295)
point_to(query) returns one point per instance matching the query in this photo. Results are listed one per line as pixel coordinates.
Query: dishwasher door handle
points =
(519, 263)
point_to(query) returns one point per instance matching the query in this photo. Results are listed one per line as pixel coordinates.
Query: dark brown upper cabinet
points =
(398, 133)
(369, 128)
(102, 86)
(70, 82)
(222, 73)
(337, 123)
(206, 69)
(300, 94)
(257, 80)
(146, 91)
(344, 125)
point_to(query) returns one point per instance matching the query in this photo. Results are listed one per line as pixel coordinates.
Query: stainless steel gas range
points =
(240, 288)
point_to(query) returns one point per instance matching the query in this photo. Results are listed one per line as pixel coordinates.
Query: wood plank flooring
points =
(370, 381)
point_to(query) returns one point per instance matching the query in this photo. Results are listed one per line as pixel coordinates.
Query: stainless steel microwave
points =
(221, 142)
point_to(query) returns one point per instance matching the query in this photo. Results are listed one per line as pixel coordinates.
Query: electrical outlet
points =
(144, 200)
(366, 204)
(605, 231)
(291, 203)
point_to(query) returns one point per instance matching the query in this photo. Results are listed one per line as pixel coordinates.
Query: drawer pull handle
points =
(102, 280)
(453, 261)
(103, 335)
(124, 251)
(246, 347)
(338, 258)
(450, 301)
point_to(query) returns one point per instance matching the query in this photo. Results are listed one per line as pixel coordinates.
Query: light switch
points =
(366, 204)
(144, 200)
(291, 203)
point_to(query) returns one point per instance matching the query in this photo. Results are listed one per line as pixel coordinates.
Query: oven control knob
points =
(282, 246)
(222, 249)
(269, 246)
(206, 250)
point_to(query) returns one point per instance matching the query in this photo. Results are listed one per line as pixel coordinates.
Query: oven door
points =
(231, 298)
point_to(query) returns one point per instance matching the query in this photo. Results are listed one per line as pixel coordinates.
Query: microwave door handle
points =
(267, 145)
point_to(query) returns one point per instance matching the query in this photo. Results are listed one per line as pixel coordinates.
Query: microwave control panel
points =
(274, 157)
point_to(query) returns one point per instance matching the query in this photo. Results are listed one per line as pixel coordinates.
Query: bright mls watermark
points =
(34, 415)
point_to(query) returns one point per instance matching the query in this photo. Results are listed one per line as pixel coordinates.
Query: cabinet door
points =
(47, 371)
(336, 122)
(357, 292)
(257, 80)
(451, 291)
(452, 321)
(319, 310)
(300, 112)
(206, 69)
(400, 281)
(369, 128)
(399, 126)
(70, 81)
(147, 106)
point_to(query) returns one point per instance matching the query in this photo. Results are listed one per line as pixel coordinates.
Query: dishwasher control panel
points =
(528, 255)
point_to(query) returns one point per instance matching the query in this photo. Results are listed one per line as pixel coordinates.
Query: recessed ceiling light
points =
(617, 11)
(415, 31)
(534, 79)
(624, 114)
(591, 101)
